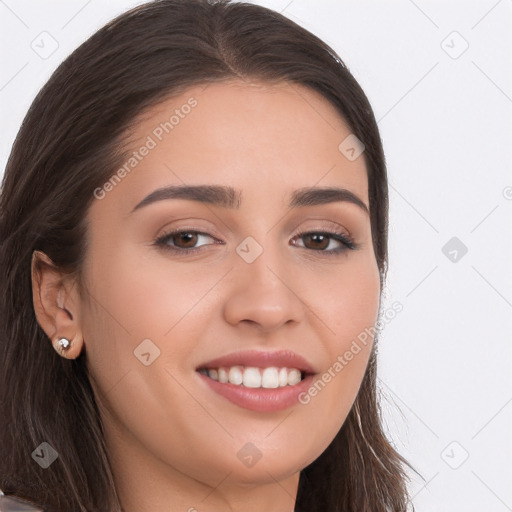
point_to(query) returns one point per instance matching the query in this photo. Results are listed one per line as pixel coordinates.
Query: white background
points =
(446, 122)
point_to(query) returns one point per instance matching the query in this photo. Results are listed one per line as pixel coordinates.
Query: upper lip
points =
(262, 359)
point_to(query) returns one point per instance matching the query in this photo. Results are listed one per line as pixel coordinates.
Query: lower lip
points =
(260, 399)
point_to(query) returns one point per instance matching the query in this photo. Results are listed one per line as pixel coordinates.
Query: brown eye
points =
(317, 241)
(183, 241)
(325, 242)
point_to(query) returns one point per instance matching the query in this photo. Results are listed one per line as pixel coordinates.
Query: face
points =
(273, 274)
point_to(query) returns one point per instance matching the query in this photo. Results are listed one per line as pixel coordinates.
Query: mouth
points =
(254, 377)
(259, 381)
(258, 369)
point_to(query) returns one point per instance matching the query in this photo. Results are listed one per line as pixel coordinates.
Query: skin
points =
(173, 442)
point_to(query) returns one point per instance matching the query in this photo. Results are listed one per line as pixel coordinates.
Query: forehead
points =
(264, 139)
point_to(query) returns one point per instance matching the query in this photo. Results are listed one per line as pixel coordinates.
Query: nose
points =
(263, 294)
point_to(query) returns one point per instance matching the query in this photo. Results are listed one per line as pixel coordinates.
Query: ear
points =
(56, 304)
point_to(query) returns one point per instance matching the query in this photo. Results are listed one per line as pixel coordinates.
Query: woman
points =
(194, 246)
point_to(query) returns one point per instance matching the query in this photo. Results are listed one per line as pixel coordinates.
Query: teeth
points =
(223, 375)
(283, 377)
(235, 375)
(293, 377)
(270, 378)
(253, 377)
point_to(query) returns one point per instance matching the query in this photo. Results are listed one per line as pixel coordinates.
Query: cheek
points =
(347, 303)
(347, 298)
(146, 296)
(135, 298)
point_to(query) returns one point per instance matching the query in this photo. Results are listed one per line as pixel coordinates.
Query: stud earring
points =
(63, 344)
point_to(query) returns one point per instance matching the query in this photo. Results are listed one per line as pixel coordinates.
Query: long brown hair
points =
(69, 144)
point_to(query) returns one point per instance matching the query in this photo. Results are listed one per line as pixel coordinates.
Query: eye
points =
(325, 241)
(184, 241)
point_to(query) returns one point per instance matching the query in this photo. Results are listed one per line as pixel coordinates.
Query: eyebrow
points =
(228, 197)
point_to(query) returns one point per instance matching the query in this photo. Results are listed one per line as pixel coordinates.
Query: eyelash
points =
(346, 242)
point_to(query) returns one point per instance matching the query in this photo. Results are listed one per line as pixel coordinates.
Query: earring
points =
(63, 344)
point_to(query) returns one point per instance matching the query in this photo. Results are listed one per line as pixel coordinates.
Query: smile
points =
(254, 377)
